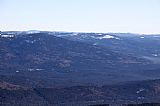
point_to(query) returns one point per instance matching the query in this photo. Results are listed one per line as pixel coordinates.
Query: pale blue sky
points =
(136, 16)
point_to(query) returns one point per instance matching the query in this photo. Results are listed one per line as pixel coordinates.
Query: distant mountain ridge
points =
(45, 54)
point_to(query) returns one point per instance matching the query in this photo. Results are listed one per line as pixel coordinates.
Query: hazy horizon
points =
(81, 32)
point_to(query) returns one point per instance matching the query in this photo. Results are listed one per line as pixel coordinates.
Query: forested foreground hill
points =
(122, 94)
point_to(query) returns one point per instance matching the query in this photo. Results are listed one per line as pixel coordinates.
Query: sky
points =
(134, 16)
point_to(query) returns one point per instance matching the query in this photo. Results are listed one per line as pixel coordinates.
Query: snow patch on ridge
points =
(32, 31)
(155, 55)
(7, 36)
(142, 37)
(140, 90)
(108, 37)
